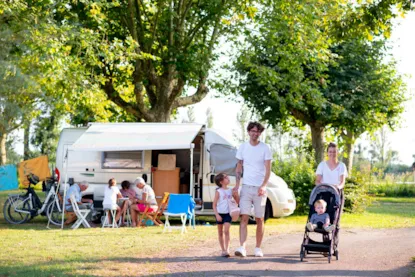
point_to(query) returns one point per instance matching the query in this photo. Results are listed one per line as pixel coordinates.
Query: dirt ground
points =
(366, 252)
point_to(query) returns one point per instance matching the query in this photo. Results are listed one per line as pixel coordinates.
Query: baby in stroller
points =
(320, 219)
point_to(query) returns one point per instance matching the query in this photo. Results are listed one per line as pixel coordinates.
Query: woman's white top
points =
(110, 195)
(224, 196)
(331, 177)
(151, 196)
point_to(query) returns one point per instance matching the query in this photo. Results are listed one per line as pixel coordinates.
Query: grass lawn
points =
(32, 250)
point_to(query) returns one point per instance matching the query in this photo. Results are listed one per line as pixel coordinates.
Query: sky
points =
(402, 140)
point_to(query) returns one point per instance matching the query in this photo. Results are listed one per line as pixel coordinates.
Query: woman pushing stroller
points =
(326, 204)
(331, 172)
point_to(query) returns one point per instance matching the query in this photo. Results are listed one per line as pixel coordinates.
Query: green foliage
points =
(145, 55)
(393, 190)
(356, 197)
(299, 174)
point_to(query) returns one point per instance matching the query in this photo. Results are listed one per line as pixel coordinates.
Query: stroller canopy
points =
(324, 188)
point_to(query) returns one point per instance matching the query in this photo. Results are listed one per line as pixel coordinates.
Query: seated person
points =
(128, 192)
(148, 198)
(112, 193)
(320, 219)
(83, 203)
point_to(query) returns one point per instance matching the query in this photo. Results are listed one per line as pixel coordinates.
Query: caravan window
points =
(125, 159)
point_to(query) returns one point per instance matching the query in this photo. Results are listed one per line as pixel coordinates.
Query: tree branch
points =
(201, 93)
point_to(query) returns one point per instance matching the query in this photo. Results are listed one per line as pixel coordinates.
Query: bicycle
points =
(21, 208)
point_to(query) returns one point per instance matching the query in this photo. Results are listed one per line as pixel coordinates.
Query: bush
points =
(356, 197)
(299, 175)
(393, 190)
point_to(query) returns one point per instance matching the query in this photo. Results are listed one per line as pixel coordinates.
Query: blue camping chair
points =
(183, 206)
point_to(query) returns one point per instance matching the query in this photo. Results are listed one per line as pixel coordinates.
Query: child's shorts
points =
(226, 218)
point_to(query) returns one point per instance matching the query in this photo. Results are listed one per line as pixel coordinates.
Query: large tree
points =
(146, 55)
(367, 88)
(285, 69)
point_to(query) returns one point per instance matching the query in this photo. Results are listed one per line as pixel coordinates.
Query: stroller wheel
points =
(329, 257)
(302, 255)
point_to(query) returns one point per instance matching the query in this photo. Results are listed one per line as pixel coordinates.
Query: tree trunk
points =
(317, 140)
(3, 158)
(349, 139)
(26, 136)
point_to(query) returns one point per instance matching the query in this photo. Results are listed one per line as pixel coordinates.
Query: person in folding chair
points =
(112, 193)
(148, 199)
(76, 190)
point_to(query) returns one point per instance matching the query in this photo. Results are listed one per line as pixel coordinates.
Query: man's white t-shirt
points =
(331, 177)
(110, 195)
(254, 158)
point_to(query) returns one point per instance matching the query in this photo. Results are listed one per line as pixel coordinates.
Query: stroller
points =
(330, 240)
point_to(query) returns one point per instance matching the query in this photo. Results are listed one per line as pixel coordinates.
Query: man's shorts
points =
(249, 196)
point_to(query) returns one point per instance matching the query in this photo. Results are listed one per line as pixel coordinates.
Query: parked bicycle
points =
(20, 208)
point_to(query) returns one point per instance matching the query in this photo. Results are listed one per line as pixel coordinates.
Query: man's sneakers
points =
(240, 251)
(258, 252)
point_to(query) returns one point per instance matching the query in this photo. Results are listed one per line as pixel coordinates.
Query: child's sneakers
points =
(240, 251)
(329, 228)
(310, 227)
(225, 254)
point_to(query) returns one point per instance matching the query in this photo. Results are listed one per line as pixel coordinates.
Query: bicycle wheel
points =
(54, 213)
(11, 210)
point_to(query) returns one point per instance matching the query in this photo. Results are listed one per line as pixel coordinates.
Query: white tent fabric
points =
(136, 136)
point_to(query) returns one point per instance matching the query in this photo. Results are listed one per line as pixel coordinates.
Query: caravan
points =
(125, 151)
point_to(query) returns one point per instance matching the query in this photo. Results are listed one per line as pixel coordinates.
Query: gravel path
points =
(366, 252)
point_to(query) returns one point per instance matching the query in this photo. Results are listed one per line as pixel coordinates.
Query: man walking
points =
(254, 159)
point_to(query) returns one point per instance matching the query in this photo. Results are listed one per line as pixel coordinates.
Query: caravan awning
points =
(136, 136)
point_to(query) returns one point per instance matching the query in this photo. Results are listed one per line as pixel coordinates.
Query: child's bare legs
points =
(220, 236)
(118, 215)
(227, 237)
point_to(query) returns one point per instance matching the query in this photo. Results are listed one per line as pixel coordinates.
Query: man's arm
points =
(238, 172)
(262, 188)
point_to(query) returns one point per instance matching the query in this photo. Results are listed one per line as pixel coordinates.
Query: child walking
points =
(222, 211)
(320, 219)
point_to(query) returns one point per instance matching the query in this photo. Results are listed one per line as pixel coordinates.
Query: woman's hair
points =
(258, 125)
(112, 182)
(331, 145)
(320, 202)
(125, 184)
(219, 178)
(139, 180)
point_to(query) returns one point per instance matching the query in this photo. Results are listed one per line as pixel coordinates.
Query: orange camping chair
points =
(155, 215)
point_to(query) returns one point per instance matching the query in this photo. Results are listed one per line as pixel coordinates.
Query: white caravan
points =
(125, 151)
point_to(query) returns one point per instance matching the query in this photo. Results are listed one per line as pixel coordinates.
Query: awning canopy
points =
(136, 136)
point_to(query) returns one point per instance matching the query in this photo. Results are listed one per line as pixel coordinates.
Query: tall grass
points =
(392, 189)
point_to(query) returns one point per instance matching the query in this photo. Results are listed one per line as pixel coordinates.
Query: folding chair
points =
(80, 214)
(155, 216)
(110, 213)
(183, 206)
